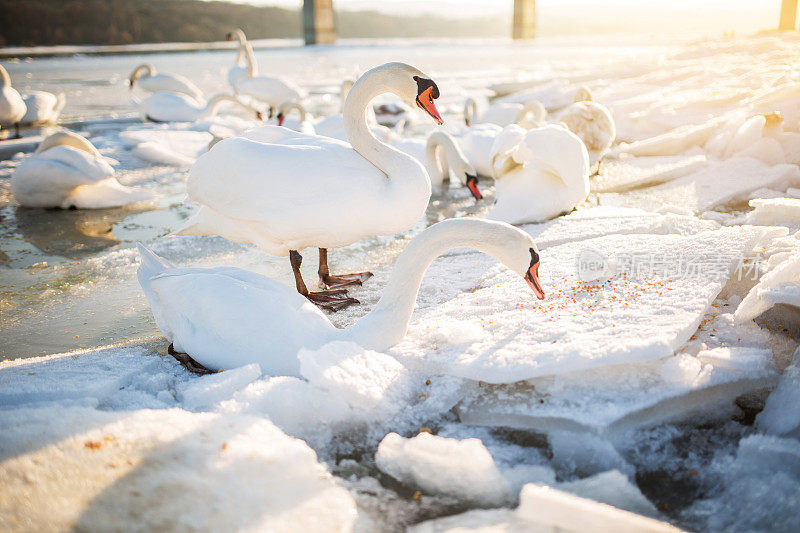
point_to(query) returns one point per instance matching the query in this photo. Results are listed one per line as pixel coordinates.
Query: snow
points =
(627, 173)
(612, 488)
(781, 414)
(774, 287)
(459, 468)
(206, 391)
(582, 325)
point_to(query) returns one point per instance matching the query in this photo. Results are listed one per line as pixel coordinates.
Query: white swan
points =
(592, 122)
(42, 107)
(165, 106)
(146, 77)
(12, 107)
(68, 171)
(333, 126)
(477, 142)
(539, 174)
(440, 154)
(303, 124)
(227, 317)
(285, 191)
(245, 60)
(529, 115)
(270, 90)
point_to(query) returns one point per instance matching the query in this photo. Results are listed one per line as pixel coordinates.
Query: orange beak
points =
(281, 118)
(532, 277)
(425, 102)
(472, 185)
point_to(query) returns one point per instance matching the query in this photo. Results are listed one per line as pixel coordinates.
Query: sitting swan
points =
(165, 106)
(245, 59)
(42, 107)
(12, 107)
(285, 191)
(228, 317)
(149, 80)
(592, 122)
(440, 154)
(539, 174)
(67, 171)
(529, 115)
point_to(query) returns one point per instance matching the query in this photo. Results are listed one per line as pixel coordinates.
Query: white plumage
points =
(12, 107)
(42, 107)
(146, 77)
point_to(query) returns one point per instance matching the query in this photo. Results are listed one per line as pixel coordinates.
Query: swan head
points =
(236, 34)
(517, 250)
(143, 70)
(583, 94)
(410, 84)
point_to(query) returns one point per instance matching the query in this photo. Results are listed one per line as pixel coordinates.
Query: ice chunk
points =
(366, 380)
(675, 142)
(774, 212)
(95, 374)
(633, 172)
(582, 325)
(612, 488)
(207, 391)
(584, 454)
(781, 414)
(782, 280)
(724, 183)
(460, 468)
(551, 510)
(162, 469)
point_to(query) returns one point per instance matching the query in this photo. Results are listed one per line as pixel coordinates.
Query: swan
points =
(304, 124)
(228, 317)
(42, 107)
(245, 60)
(285, 191)
(165, 106)
(147, 78)
(477, 142)
(12, 107)
(333, 126)
(270, 90)
(66, 171)
(592, 122)
(539, 174)
(529, 115)
(440, 154)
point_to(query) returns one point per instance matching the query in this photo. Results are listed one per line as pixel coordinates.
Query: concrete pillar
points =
(788, 15)
(318, 22)
(524, 19)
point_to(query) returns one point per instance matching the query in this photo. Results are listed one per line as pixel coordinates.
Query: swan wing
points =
(274, 91)
(170, 82)
(166, 106)
(41, 107)
(557, 150)
(226, 318)
(505, 150)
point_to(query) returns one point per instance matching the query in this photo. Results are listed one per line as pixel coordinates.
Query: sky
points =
(674, 16)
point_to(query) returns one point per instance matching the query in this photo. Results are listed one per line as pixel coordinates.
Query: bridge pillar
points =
(524, 19)
(318, 23)
(788, 15)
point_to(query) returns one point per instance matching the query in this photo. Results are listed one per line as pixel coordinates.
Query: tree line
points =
(54, 22)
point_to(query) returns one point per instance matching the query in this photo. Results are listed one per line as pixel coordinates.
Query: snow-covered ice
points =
(781, 414)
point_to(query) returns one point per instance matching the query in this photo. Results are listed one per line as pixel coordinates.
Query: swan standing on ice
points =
(285, 191)
(539, 174)
(12, 107)
(440, 154)
(592, 122)
(177, 107)
(245, 60)
(149, 80)
(529, 115)
(67, 171)
(42, 107)
(228, 317)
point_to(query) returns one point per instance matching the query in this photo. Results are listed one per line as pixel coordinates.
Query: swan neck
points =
(5, 79)
(437, 159)
(470, 111)
(287, 108)
(143, 71)
(212, 107)
(387, 323)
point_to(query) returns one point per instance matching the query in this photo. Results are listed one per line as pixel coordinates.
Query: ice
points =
(584, 454)
(774, 287)
(781, 414)
(612, 488)
(774, 212)
(209, 390)
(95, 374)
(627, 173)
(757, 490)
(720, 184)
(548, 510)
(368, 381)
(581, 325)
(460, 468)
(83, 469)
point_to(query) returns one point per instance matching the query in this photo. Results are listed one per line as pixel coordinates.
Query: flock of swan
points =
(295, 183)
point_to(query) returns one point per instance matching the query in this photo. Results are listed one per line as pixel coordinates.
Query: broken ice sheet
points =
(615, 398)
(780, 285)
(719, 184)
(774, 212)
(628, 173)
(781, 414)
(165, 469)
(500, 334)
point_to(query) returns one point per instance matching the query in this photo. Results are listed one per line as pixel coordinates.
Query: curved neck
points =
(143, 71)
(5, 79)
(470, 111)
(450, 153)
(64, 138)
(250, 58)
(212, 107)
(344, 90)
(535, 109)
(288, 107)
(387, 323)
